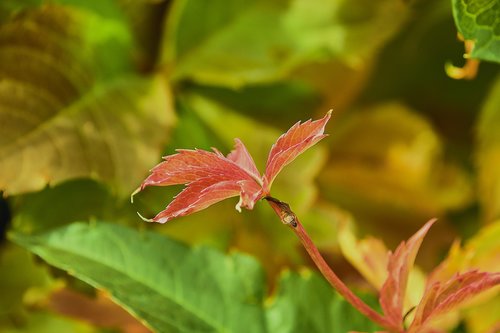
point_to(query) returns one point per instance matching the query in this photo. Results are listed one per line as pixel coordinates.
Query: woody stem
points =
(289, 218)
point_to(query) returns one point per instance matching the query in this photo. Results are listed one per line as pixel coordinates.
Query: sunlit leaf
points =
(260, 41)
(369, 255)
(477, 20)
(70, 103)
(346, 28)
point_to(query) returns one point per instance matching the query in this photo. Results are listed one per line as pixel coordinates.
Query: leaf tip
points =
(145, 219)
(137, 190)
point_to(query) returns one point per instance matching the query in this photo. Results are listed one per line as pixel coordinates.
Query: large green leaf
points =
(488, 154)
(174, 288)
(70, 103)
(257, 41)
(170, 286)
(479, 20)
(306, 303)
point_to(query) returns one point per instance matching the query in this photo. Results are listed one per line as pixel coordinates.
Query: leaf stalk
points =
(288, 217)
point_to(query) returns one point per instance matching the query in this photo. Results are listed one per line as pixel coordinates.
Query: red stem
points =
(289, 218)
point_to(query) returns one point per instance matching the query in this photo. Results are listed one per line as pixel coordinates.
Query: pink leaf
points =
(210, 177)
(205, 192)
(293, 143)
(393, 291)
(190, 165)
(242, 157)
(441, 297)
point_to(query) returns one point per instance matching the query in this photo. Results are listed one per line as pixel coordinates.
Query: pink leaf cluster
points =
(439, 296)
(443, 296)
(211, 177)
(393, 291)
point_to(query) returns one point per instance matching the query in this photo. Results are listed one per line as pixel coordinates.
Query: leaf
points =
(346, 28)
(296, 183)
(400, 262)
(477, 20)
(243, 159)
(210, 178)
(79, 108)
(257, 41)
(171, 287)
(441, 297)
(291, 144)
(488, 154)
(369, 255)
(306, 303)
(481, 252)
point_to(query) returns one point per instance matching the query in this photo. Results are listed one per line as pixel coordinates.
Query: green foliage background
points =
(93, 93)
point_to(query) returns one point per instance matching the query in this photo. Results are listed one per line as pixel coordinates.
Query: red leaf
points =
(205, 192)
(393, 291)
(210, 178)
(441, 297)
(242, 157)
(190, 165)
(291, 144)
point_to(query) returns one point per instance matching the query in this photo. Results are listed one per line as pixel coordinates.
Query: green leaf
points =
(266, 102)
(260, 41)
(71, 104)
(488, 154)
(479, 20)
(306, 303)
(171, 287)
(295, 184)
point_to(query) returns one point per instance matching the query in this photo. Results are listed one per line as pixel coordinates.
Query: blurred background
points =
(93, 93)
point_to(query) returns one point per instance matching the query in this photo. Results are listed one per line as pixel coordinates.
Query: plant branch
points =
(288, 217)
